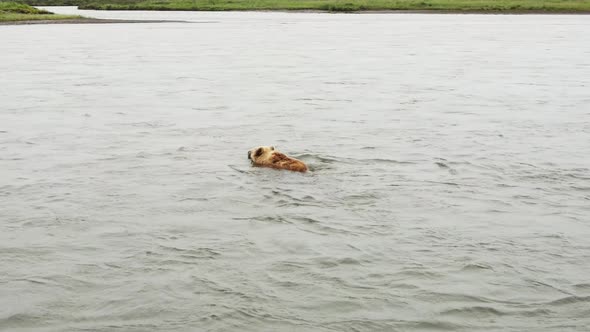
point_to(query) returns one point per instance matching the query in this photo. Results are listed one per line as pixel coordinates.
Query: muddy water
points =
(450, 185)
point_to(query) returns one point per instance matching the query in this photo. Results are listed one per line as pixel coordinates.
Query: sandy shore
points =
(85, 21)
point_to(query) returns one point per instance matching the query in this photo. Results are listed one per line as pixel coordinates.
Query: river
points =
(449, 185)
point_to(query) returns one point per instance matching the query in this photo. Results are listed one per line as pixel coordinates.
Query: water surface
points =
(450, 185)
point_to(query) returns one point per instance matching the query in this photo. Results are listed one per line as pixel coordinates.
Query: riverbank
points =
(428, 6)
(20, 14)
(16, 12)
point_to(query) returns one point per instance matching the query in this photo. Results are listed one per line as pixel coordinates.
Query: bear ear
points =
(272, 148)
(258, 152)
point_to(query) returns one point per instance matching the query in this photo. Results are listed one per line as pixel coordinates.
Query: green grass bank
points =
(12, 12)
(480, 6)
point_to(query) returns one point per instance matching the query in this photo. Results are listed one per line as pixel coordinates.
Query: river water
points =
(449, 190)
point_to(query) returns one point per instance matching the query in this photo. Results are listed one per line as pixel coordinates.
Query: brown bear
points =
(267, 156)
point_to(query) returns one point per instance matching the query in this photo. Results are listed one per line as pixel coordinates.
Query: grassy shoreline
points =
(14, 12)
(440, 6)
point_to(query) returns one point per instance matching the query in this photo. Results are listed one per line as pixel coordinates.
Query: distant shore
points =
(12, 13)
(15, 12)
(349, 6)
(337, 6)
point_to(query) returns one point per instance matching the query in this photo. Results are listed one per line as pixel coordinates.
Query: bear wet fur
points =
(267, 156)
